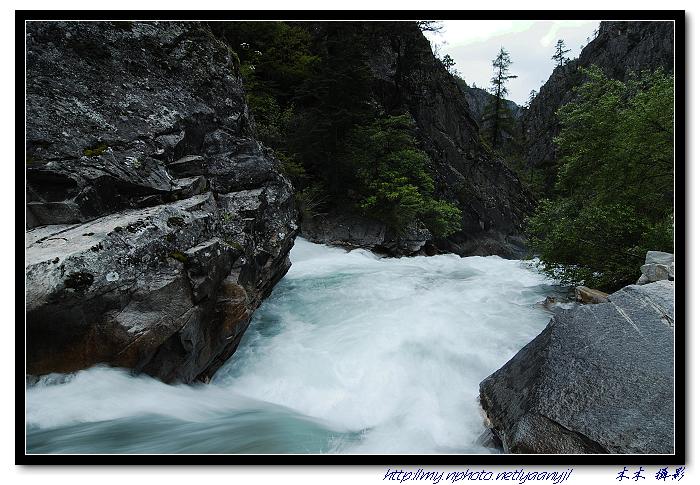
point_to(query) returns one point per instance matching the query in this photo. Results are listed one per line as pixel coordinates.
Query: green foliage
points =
(442, 218)
(560, 51)
(271, 120)
(275, 59)
(292, 168)
(614, 188)
(392, 177)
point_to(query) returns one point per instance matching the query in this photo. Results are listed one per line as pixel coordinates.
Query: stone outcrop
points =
(658, 266)
(479, 100)
(156, 222)
(619, 48)
(588, 295)
(406, 77)
(353, 231)
(598, 379)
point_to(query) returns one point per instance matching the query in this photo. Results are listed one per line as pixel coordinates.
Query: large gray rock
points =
(658, 257)
(598, 379)
(111, 104)
(157, 222)
(658, 266)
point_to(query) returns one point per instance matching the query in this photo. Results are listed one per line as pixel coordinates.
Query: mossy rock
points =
(180, 256)
(95, 151)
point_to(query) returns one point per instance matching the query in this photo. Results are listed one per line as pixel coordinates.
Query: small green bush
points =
(393, 180)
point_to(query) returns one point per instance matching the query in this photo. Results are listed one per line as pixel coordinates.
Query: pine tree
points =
(501, 75)
(531, 98)
(449, 64)
(559, 51)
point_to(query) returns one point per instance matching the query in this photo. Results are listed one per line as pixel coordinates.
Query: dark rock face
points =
(598, 379)
(157, 222)
(619, 48)
(479, 99)
(353, 231)
(492, 200)
(408, 78)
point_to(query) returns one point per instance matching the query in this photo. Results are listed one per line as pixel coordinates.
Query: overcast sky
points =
(473, 44)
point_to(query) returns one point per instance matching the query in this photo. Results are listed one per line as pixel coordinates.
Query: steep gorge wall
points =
(618, 49)
(156, 222)
(406, 77)
(492, 200)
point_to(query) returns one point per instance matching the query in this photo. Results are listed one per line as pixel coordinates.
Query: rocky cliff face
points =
(598, 379)
(156, 222)
(408, 78)
(618, 49)
(479, 100)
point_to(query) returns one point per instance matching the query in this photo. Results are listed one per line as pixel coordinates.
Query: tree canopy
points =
(614, 188)
(392, 177)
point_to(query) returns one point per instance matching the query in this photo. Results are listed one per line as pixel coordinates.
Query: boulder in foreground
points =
(598, 379)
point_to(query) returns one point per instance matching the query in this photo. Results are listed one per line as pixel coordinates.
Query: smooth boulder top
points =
(598, 379)
(658, 266)
(658, 257)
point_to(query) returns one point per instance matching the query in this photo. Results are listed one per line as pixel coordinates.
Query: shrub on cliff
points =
(614, 189)
(392, 178)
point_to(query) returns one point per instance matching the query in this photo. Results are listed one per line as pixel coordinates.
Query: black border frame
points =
(681, 381)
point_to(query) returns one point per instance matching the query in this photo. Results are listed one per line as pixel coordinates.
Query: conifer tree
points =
(497, 114)
(531, 98)
(559, 53)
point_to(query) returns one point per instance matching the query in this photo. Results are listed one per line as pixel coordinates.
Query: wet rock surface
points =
(598, 379)
(157, 223)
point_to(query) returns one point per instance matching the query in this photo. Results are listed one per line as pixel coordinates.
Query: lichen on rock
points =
(136, 234)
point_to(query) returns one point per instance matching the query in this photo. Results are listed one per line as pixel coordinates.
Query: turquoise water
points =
(352, 353)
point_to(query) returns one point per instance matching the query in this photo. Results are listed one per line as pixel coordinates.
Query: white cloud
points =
(463, 32)
(557, 25)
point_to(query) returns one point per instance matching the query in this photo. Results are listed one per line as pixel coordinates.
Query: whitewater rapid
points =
(352, 353)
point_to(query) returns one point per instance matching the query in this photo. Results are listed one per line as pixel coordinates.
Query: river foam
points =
(352, 353)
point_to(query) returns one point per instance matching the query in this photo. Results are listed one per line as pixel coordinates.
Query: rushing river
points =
(352, 353)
